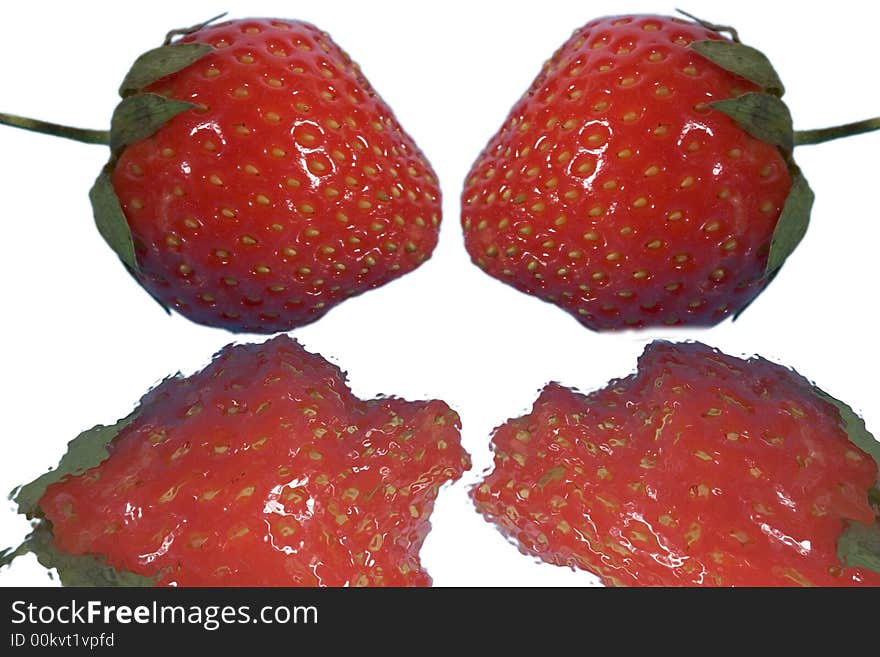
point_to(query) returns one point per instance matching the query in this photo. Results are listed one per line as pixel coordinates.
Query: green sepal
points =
(743, 60)
(139, 116)
(110, 219)
(762, 115)
(160, 62)
(859, 546)
(73, 570)
(84, 452)
(854, 426)
(793, 222)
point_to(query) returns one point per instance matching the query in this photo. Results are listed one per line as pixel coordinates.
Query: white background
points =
(81, 342)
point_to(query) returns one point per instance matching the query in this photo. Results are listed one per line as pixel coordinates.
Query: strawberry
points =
(263, 469)
(644, 179)
(257, 179)
(700, 469)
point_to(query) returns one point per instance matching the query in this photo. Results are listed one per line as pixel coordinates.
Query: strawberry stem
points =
(821, 135)
(77, 134)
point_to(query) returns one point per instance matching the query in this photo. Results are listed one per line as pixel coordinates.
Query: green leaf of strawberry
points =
(140, 116)
(763, 116)
(110, 219)
(792, 224)
(84, 452)
(160, 62)
(743, 60)
(859, 546)
(73, 570)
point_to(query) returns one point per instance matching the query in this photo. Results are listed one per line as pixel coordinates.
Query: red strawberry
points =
(622, 189)
(700, 469)
(280, 187)
(261, 470)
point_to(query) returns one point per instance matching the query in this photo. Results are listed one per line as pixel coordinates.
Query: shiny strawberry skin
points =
(264, 470)
(291, 188)
(699, 470)
(614, 191)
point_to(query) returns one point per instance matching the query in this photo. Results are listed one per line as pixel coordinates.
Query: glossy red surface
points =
(264, 470)
(614, 191)
(699, 470)
(291, 189)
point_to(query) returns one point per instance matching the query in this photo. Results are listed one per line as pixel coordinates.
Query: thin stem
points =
(77, 134)
(734, 36)
(183, 31)
(820, 135)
